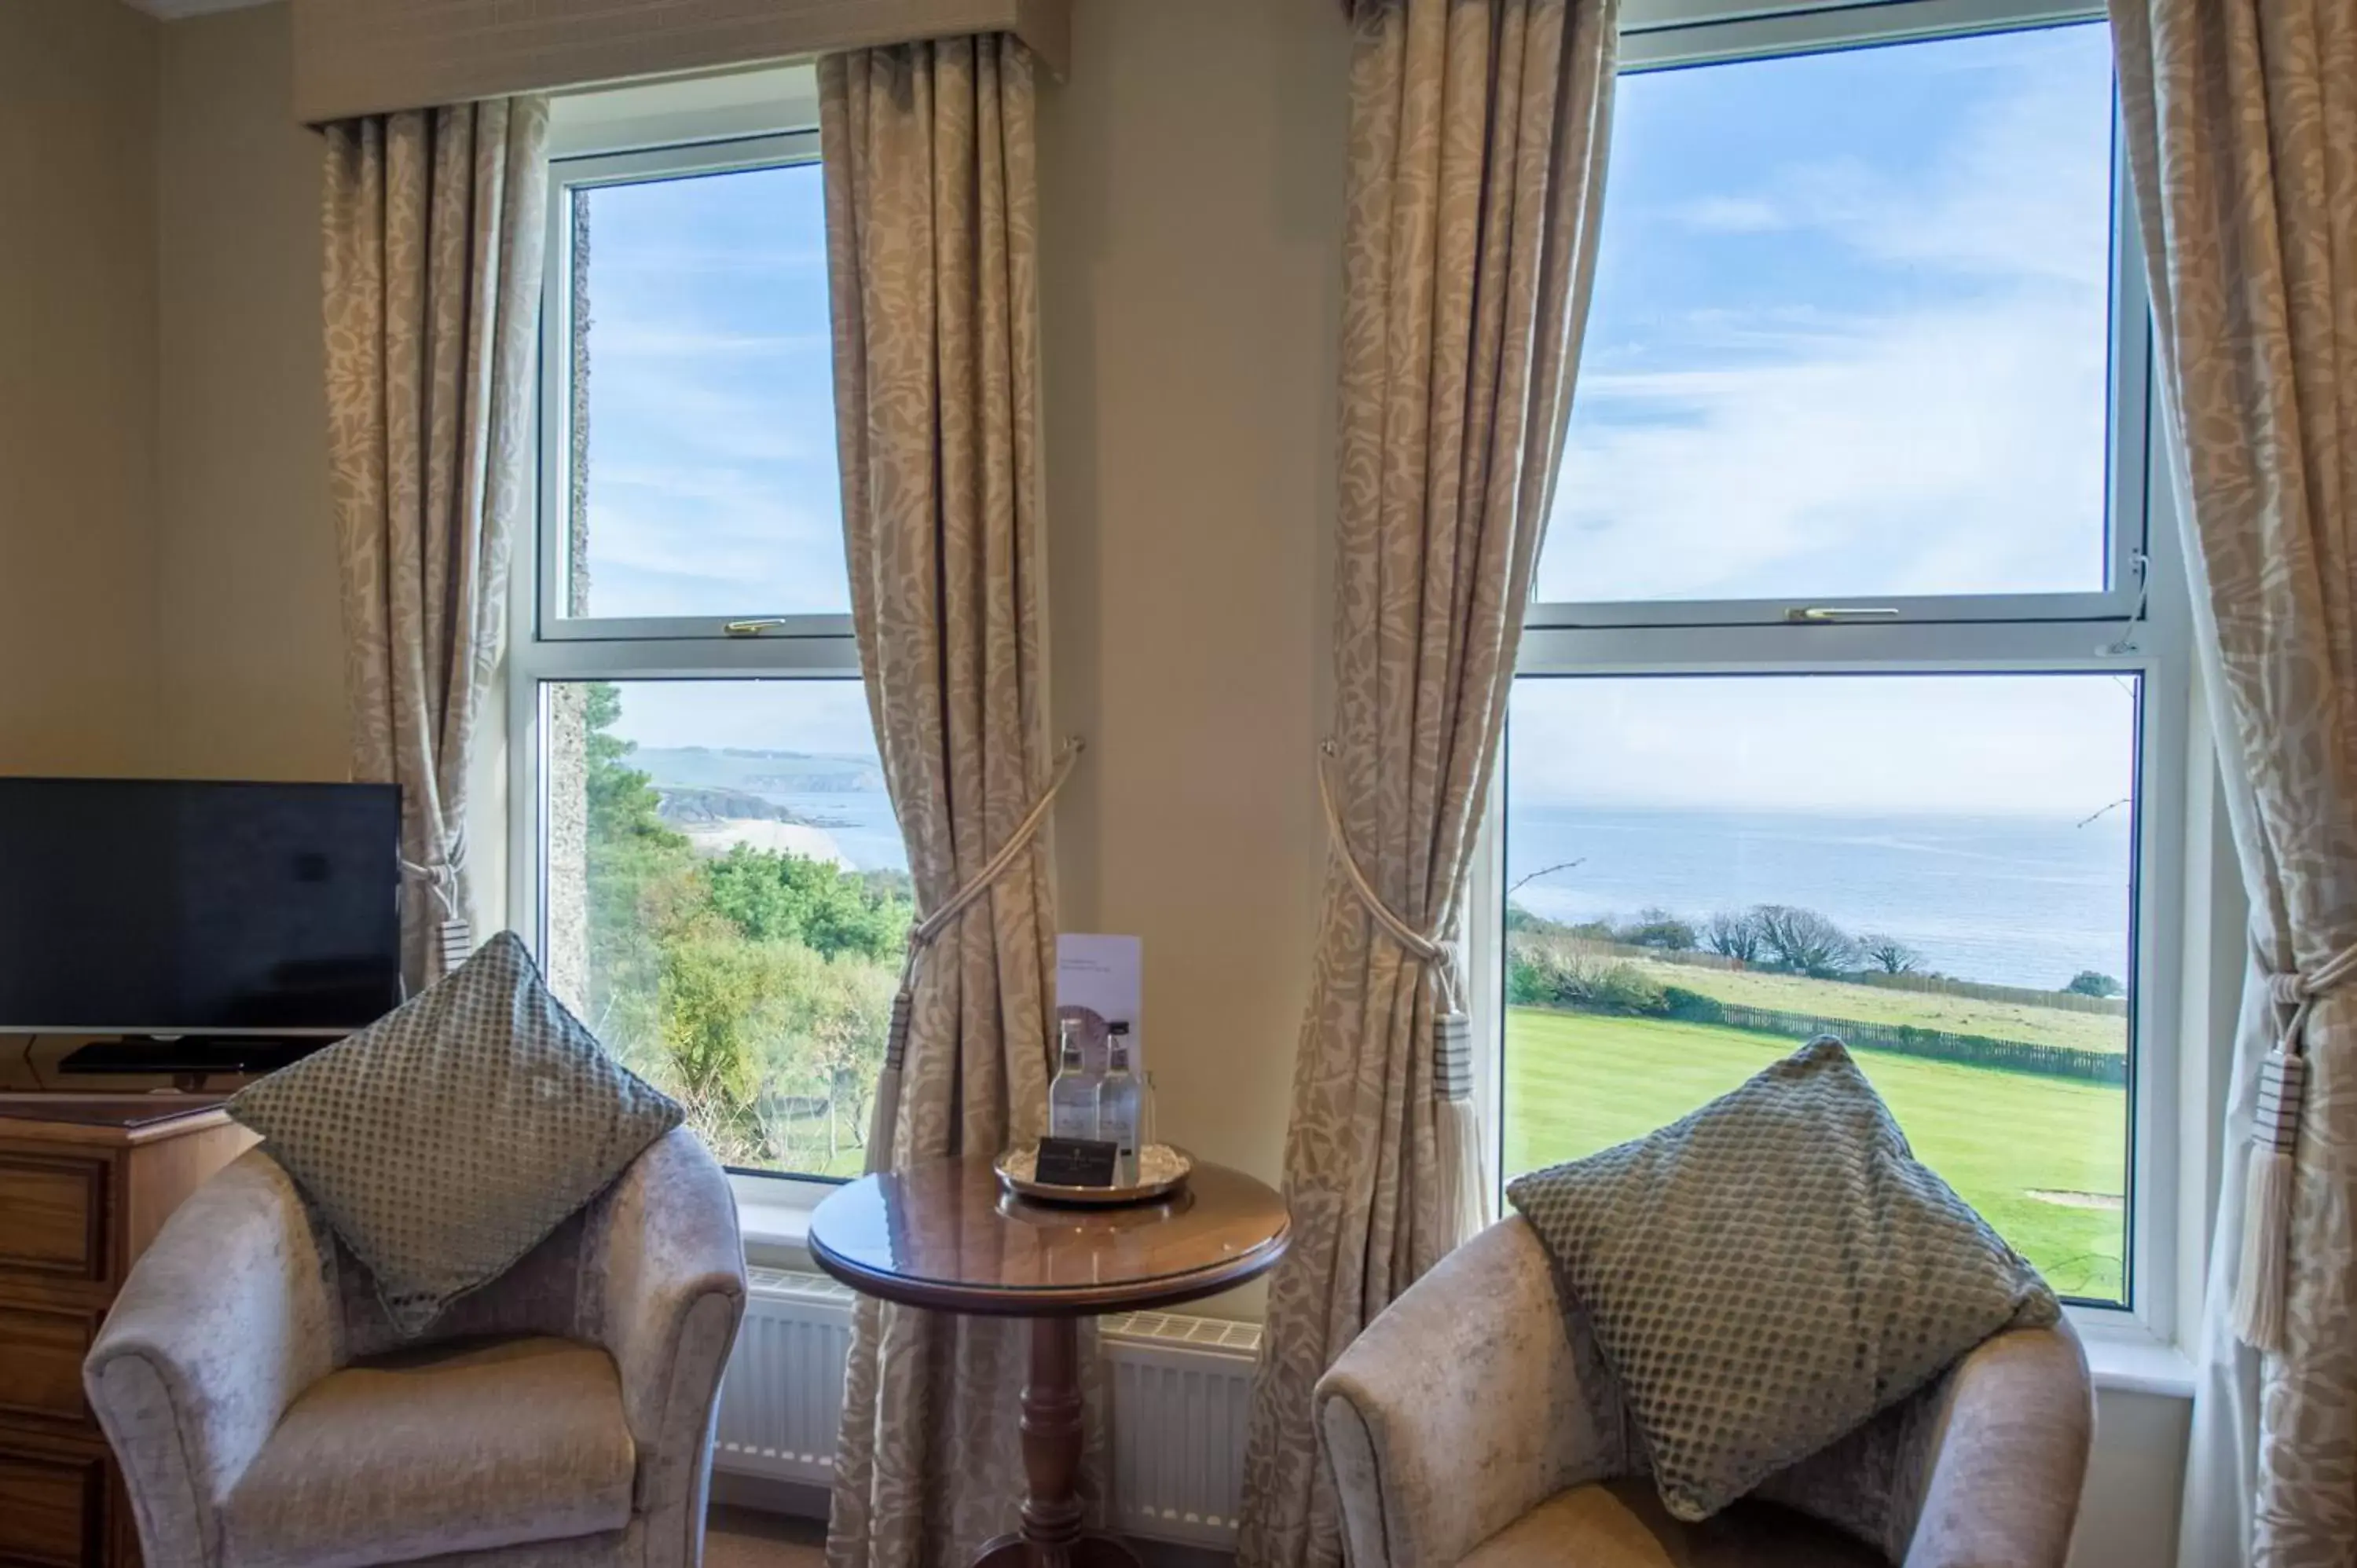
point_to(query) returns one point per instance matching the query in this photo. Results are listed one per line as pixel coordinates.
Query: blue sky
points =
(713, 488)
(1849, 337)
(1849, 330)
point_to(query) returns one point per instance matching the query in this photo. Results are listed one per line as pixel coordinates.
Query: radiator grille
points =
(781, 1399)
(1180, 1390)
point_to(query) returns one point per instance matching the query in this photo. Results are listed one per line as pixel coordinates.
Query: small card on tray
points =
(1074, 1162)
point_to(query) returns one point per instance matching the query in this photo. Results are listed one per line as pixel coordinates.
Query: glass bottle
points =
(1071, 1098)
(1119, 1109)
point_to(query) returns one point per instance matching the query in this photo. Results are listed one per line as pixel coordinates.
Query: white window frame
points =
(2140, 623)
(760, 120)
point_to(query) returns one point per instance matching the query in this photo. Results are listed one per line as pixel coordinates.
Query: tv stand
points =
(189, 1060)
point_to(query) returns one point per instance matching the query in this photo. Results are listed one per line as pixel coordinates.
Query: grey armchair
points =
(1467, 1427)
(267, 1416)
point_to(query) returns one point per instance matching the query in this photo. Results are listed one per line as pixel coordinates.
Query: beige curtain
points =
(434, 234)
(1478, 135)
(2242, 125)
(932, 263)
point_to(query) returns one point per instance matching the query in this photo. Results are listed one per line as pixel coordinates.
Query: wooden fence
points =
(1937, 1045)
(1941, 985)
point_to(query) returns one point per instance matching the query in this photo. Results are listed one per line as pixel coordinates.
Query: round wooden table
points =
(942, 1235)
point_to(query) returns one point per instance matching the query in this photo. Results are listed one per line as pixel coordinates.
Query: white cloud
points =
(1732, 215)
(1946, 437)
(1870, 745)
(610, 345)
(828, 716)
(1934, 451)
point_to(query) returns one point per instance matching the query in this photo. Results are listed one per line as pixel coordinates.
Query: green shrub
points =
(1625, 988)
(1691, 1006)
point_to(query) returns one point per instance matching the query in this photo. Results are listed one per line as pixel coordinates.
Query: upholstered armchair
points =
(267, 1416)
(1467, 1425)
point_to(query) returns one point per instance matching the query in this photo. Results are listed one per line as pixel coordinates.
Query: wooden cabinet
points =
(85, 1183)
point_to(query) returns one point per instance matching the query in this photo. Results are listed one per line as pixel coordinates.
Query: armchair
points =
(266, 1415)
(1469, 1425)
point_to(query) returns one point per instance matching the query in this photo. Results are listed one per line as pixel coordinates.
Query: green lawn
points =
(1879, 1004)
(1578, 1082)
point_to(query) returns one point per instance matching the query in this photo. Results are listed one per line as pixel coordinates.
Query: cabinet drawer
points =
(41, 1351)
(49, 1510)
(53, 1216)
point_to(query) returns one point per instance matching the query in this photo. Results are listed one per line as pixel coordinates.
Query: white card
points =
(1099, 981)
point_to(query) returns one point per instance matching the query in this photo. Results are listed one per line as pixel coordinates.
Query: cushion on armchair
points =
(444, 1141)
(1770, 1272)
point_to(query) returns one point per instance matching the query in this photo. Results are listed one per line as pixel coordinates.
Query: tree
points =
(1802, 942)
(1657, 927)
(1734, 936)
(2094, 982)
(788, 898)
(755, 987)
(1521, 919)
(1888, 954)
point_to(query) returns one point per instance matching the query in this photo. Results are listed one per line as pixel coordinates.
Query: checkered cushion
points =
(449, 1138)
(1767, 1273)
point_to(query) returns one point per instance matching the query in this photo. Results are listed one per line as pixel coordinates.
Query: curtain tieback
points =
(922, 935)
(1452, 1042)
(2259, 1306)
(454, 936)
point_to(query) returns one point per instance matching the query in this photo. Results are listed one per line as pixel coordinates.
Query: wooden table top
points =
(943, 1235)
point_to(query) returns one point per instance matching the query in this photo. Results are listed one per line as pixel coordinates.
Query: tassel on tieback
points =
(2260, 1289)
(2258, 1306)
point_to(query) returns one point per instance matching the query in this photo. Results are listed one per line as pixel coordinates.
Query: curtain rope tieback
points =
(1452, 1042)
(922, 935)
(2259, 1290)
(454, 936)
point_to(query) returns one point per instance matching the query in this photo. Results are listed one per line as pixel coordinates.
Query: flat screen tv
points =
(158, 906)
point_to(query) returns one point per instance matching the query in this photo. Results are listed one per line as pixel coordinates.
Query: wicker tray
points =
(1162, 1169)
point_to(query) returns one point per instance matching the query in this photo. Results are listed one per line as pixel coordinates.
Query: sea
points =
(2025, 901)
(2028, 901)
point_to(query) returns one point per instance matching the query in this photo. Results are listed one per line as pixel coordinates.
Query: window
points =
(1852, 698)
(720, 890)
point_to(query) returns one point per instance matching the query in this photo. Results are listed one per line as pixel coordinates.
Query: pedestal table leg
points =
(1051, 1536)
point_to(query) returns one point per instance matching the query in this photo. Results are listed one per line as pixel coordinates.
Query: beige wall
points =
(251, 678)
(1190, 189)
(78, 639)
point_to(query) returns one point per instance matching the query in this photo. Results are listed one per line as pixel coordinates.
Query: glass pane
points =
(1704, 873)
(727, 900)
(703, 478)
(1851, 328)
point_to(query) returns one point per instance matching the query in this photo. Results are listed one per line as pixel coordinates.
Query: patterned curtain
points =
(435, 232)
(2242, 125)
(932, 248)
(1477, 135)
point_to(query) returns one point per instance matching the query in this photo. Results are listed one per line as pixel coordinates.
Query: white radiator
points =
(1180, 1390)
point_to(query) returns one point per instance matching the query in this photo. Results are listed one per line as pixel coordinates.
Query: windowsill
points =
(773, 1217)
(774, 1222)
(2124, 1357)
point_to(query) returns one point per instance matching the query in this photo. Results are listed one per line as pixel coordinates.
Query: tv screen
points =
(139, 906)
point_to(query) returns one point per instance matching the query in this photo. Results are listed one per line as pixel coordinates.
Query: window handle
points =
(1828, 614)
(751, 628)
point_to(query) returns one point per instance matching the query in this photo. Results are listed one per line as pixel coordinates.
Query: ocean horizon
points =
(2025, 901)
(2028, 901)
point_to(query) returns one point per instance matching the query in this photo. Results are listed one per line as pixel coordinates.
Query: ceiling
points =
(171, 10)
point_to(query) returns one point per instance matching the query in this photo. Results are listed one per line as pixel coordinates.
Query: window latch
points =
(750, 628)
(1826, 614)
